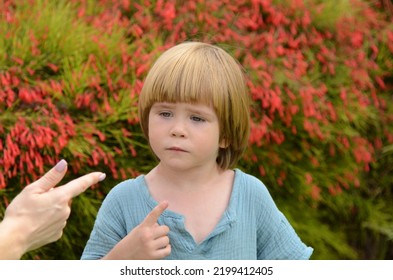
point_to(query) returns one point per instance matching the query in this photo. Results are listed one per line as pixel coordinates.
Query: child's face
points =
(183, 135)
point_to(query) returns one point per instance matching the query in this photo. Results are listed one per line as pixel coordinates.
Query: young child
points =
(194, 204)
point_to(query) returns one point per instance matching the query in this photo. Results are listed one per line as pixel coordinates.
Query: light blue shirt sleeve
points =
(276, 238)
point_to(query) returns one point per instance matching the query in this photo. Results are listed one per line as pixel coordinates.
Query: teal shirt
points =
(251, 227)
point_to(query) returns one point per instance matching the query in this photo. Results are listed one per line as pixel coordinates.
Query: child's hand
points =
(148, 241)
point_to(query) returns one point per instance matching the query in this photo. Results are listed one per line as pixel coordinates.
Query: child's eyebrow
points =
(163, 105)
(199, 111)
(190, 107)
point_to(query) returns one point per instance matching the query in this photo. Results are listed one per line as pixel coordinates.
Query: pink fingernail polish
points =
(61, 165)
(102, 177)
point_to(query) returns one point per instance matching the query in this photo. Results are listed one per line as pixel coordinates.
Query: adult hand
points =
(147, 241)
(38, 215)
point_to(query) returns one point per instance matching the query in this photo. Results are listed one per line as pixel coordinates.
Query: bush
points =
(319, 76)
(68, 90)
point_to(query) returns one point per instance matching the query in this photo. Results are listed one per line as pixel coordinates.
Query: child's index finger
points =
(152, 218)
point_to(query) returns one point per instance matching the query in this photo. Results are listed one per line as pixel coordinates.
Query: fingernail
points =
(61, 165)
(102, 177)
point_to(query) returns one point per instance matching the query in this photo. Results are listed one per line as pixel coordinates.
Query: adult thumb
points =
(51, 178)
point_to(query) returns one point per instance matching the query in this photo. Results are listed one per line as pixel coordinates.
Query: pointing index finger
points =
(152, 218)
(79, 185)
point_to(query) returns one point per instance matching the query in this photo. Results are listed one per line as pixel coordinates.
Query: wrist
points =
(12, 240)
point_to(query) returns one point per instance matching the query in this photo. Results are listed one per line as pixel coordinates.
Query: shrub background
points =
(320, 77)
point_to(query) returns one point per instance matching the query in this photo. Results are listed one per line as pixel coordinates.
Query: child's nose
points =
(178, 129)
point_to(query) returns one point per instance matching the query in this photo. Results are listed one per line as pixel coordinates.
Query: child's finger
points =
(152, 218)
(160, 232)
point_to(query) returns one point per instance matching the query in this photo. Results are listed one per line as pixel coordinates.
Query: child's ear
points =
(224, 143)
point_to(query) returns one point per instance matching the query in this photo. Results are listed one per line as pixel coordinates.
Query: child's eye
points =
(197, 119)
(165, 114)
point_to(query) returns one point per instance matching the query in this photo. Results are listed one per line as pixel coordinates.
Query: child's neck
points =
(201, 195)
(186, 180)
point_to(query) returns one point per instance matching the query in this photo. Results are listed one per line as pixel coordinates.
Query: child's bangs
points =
(186, 83)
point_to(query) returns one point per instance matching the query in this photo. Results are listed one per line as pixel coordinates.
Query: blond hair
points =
(195, 72)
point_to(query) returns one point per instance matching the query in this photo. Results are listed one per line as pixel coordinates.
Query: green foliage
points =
(331, 239)
(329, 12)
(70, 70)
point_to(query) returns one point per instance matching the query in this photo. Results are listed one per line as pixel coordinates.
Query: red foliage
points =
(282, 51)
